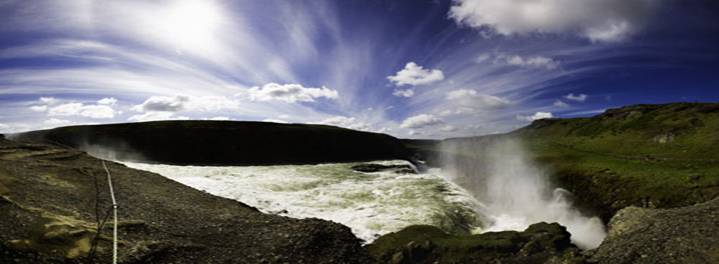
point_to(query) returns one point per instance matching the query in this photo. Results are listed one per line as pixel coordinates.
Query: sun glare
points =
(191, 25)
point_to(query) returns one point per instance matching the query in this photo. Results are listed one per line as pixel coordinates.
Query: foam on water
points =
(371, 204)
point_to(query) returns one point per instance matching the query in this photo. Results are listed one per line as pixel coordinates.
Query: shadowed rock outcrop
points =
(539, 243)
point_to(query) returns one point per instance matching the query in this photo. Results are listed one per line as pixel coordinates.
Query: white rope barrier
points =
(114, 212)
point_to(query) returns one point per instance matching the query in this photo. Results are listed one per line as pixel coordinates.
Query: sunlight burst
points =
(190, 25)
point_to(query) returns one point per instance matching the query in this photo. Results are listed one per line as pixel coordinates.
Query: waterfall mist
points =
(515, 192)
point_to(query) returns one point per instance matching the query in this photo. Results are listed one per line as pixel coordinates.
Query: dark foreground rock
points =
(373, 167)
(48, 214)
(223, 142)
(540, 243)
(681, 235)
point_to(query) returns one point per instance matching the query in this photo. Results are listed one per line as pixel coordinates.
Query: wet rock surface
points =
(539, 243)
(48, 212)
(680, 235)
(373, 167)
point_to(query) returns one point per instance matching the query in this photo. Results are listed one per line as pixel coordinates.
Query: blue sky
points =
(415, 68)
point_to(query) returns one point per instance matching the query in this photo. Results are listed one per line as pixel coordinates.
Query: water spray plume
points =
(514, 191)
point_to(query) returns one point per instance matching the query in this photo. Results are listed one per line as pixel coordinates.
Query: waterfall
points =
(514, 190)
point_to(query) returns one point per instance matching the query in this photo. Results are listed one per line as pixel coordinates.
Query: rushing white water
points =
(500, 190)
(515, 192)
(371, 204)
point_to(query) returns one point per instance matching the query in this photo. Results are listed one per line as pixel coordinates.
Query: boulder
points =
(539, 243)
(681, 235)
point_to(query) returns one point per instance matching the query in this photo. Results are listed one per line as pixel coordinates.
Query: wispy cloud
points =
(577, 97)
(290, 93)
(560, 104)
(421, 121)
(535, 116)
(499, 58)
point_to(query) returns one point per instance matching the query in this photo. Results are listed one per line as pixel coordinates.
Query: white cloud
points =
(532, 62)
(56, 122)
(56, 107)
(162, 104)
(448, 128)
(48, 100)
(421, 121)
(44, 103)
(578, 97)
(39, 108)
(80, 109)
(153, 116)
(403, 93)
(413, 74)
(561, 104)
(183, 103)
(290, 93)
(608, 20)
(537, 62)
(275, 121)
(535, 116)
(474, 100)
(212, 103)
(611, 32)
(107, 101)
(219, 118)
(414, 133)
(346, 122)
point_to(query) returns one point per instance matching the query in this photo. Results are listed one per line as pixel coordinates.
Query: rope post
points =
(114, 213)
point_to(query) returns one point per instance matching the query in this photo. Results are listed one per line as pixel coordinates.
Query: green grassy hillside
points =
(644, 155)
(669, 131)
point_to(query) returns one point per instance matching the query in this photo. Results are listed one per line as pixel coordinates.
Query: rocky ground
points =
(49, 215)
(680, 235)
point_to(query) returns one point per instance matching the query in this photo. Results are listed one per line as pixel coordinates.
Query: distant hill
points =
(223, 142)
